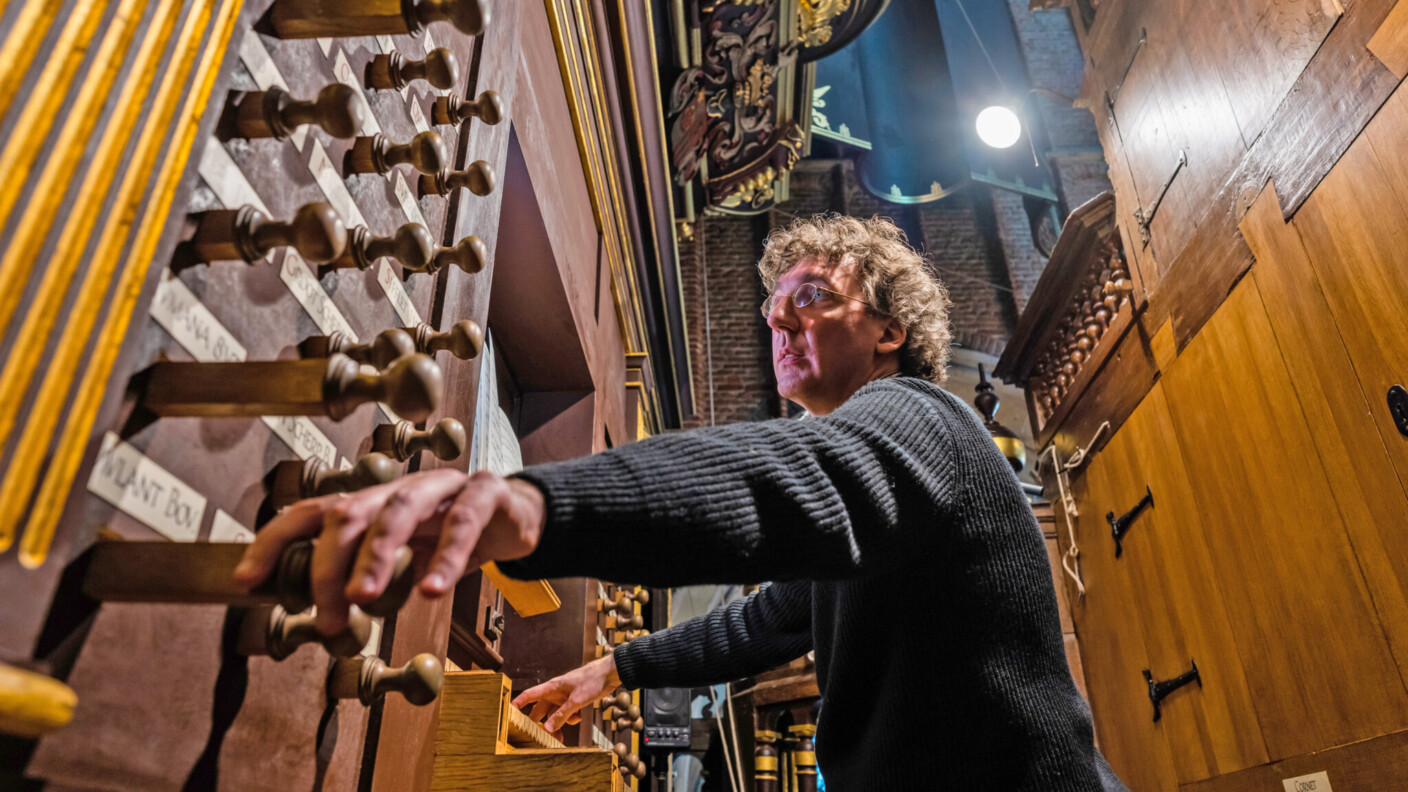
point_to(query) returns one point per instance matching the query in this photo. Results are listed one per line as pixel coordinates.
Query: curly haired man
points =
(900, 545)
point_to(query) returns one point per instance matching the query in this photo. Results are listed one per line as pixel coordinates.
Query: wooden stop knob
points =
(464, 339)
(621, 700)
(425, 152)
(478, 178)
(246, 233)
(411, 386)
(291, 19)
(440, 68)
(339, 109)
(294, 584)
(627, 621)
(470, 255)
(284, 632)
(447, 439)
(488, 108)
(642, 596)
(296, 479)
(369, 680)
(412, 245)
(622, 600)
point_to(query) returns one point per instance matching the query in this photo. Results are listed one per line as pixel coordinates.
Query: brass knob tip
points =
(622, 700)
(448, 439)
(341, 110)
(317, 232)
(482, 180)
(375, 468)
(442, 68)
(413, 385)
(491, 107)
(642, 596)
(428, 153)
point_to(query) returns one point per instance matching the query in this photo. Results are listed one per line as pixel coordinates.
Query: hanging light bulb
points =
(999, 127)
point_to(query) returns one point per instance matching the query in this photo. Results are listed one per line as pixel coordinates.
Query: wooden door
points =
(1110, 626)
(1211, 727)
(1317, 663)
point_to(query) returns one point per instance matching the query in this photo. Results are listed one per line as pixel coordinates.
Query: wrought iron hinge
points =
(1119, 526)
(1158, 691)
(1146, 216)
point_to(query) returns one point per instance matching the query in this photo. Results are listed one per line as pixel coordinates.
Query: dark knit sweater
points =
(906, 556)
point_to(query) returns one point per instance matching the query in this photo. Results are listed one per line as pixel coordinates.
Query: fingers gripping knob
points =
(293, 581)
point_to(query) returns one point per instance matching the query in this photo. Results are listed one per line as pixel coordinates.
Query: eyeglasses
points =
(805, 295)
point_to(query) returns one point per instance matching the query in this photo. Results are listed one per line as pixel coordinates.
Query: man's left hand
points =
(472, 518)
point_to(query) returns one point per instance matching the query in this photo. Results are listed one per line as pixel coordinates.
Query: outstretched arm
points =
(745, 637)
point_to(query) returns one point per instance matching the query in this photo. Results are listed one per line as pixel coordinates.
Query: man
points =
(905, 553)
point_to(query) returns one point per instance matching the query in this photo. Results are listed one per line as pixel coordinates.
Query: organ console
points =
(488, 108)
(294, 480)
(440, 68)
(377, 154)
(368, 679)
(447, 439)
(411, 385)
(293, 19)
(316, 231)
(478, 178)
(339, 109)
(411, 245)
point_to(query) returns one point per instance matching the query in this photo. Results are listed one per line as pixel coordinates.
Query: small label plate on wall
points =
(1315, 782)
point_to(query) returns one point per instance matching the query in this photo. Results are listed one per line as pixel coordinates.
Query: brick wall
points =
(979, 240)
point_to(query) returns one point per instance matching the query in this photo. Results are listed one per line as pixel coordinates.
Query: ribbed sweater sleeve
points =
(746, 637)
(833, 497)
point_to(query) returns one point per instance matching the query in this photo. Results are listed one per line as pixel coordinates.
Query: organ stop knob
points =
(316, 231)
(339, 109)
(488, 107)
(440, 68)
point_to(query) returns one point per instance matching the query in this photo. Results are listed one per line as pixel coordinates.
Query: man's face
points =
(824, 352)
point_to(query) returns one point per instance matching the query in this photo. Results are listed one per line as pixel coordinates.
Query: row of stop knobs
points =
(625, 714)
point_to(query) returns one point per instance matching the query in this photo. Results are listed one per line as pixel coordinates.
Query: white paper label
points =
(193, 326)
(418, 116)
(334, 187)
(1315, 782)
(387, 44)
(429, 41)
(303, 436)
(599, 737)
(325, 44)
(396, 293)
(601, 637)
(226, 180)
(261, 67)
(343, 71)
(142, 489)
(229, 530)
(373, 646)
(309, 293)
(407, 199)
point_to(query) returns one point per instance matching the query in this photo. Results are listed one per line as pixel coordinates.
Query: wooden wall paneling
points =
(1330, 102)
(1380, 763)
(1212, 728)
(1110, 626)
(1356, 236)
(1370, 496)
(1295, 597)
(1390, 42)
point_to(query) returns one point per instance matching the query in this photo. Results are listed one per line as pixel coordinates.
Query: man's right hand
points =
(556, 701)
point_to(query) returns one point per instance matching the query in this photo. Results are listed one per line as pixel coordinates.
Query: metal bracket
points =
(1398, 407)
(1119, 526)
(1158, 691)
(1146, 216)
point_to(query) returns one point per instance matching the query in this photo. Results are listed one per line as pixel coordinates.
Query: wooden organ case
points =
(1215, 367)
(257, 250)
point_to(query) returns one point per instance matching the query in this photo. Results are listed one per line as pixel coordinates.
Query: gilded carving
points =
(815, 16)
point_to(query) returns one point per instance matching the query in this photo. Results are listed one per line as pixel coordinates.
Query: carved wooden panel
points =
(1277, 540)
